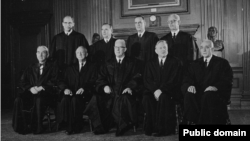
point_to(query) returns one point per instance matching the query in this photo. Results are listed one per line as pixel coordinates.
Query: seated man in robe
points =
(36, 94)
(161, 78)
(207, 88)
(77, 86)
(115, 99)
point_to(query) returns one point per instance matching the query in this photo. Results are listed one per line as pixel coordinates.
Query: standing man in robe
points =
(64, 44)
(103, 50)
(162, 75)
(141, 45)
(207, 88)
(115, 99)
(180, 44)
(77, 87)
(36, 93)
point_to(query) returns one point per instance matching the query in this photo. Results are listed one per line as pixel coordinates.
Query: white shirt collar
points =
(141, 33)
(107, 40)
(176, 32)
(83, 63)
(68, 33)
(163, 59)
(208, 59)
(117, 59)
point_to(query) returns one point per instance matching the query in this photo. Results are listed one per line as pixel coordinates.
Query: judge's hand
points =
(211, 88)
(33, 90)
(192, 89)
(40, 88)
(68, 92)
(127, 90)
(80, 91)
(107, 90)
(157, 94)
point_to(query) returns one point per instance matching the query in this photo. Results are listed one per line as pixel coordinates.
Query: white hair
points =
(209, 42)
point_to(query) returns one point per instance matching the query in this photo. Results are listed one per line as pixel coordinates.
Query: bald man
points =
(161, 78)
(36, 86)
(77, 87)
(207, 88)
(64, 44)
(115, 100)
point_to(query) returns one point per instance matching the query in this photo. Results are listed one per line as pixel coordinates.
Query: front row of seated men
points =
(111, 92)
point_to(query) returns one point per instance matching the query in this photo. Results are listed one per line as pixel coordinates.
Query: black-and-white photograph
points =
(125, 70)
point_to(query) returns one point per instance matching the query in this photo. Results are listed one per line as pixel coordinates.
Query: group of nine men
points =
(108, 79)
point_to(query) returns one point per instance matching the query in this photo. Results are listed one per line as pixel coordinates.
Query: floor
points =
(237, 116)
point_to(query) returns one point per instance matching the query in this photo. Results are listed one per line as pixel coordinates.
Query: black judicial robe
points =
(104, 108)
(101, 51)
(63, 47)
(160, 115)
(72, 107)
(25, 100)
(207, 107)
(142, 48)
(183, 47)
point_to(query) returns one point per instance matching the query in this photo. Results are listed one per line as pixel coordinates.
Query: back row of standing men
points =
(144, 66)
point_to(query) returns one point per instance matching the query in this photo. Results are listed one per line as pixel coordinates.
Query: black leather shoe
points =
(99, 132)
(148, 133)
(69, 132)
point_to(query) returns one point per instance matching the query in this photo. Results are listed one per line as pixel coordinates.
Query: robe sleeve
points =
(170, 85)
(24, 83)
(148, 78)
(102, 79)
(188, 79)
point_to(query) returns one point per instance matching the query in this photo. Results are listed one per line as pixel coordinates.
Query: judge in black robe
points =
(64, 44)
(160, 80)
(181, 44)
(103, 50)
(207, 88)
(141, 47)
(115, 99)
(35, 94)
(77, 89)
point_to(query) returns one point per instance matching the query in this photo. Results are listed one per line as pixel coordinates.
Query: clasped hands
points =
(192, 89)
(69, 92)
(107, 90)
(157, 94)
(36, 89)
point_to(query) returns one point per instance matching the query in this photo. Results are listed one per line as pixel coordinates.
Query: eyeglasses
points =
(172, 21)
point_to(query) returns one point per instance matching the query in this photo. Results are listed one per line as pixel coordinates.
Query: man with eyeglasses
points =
(207, 88)
(64, 44)
(115, 99)
(181, 44)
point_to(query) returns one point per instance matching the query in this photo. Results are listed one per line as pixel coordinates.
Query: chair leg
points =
(90, 126)
(177, 119)
(48, 117)
(134, 128)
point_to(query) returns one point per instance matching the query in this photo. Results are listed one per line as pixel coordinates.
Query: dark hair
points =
(139, 16)
(107, 24)
(94, 36)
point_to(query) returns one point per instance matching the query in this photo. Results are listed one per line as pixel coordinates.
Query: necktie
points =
(139, 35)
(41, 69)
(205, 63)
(174, 36)
(106, 41)
(119, 62)
(161, 62)
(81, 64)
